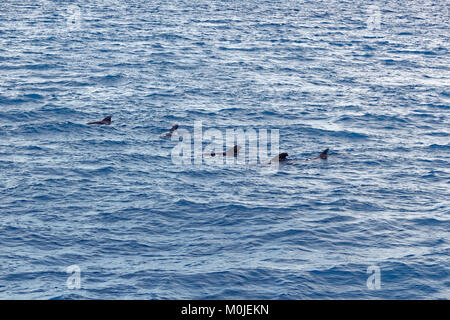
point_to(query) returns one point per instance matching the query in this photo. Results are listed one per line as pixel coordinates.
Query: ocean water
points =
(367, 79)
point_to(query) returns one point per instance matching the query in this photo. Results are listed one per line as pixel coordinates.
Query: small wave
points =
(107, 79)
(445, 147)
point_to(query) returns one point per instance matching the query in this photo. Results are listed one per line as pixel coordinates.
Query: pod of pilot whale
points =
(231, 152)
(282, 157)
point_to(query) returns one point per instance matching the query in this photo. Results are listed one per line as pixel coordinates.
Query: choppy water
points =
(369, 80)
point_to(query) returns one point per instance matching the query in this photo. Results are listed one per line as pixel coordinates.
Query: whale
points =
(279, 158)
(231, 152)
(170, 132)
(282, 157)
(323, 155)
(106, 121)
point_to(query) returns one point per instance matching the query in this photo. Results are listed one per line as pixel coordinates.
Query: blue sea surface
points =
(368, 79)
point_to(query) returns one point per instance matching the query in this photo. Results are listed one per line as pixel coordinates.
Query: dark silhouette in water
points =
(171, 131)
(282, 157)
(232, 152)
(324, 154)
(279, 158)
(106, 121)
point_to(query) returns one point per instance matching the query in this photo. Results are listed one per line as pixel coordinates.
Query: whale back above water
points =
(231, 152)
(170, 132)
(324, 154)
(279, 158)
(106, 121)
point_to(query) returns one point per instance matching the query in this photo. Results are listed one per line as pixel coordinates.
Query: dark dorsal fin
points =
(324, 154)
(175, 127)
(107, 120)
(279, 158)
(282, 156)
(170, 132)
(236, 150)
(232, 152)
